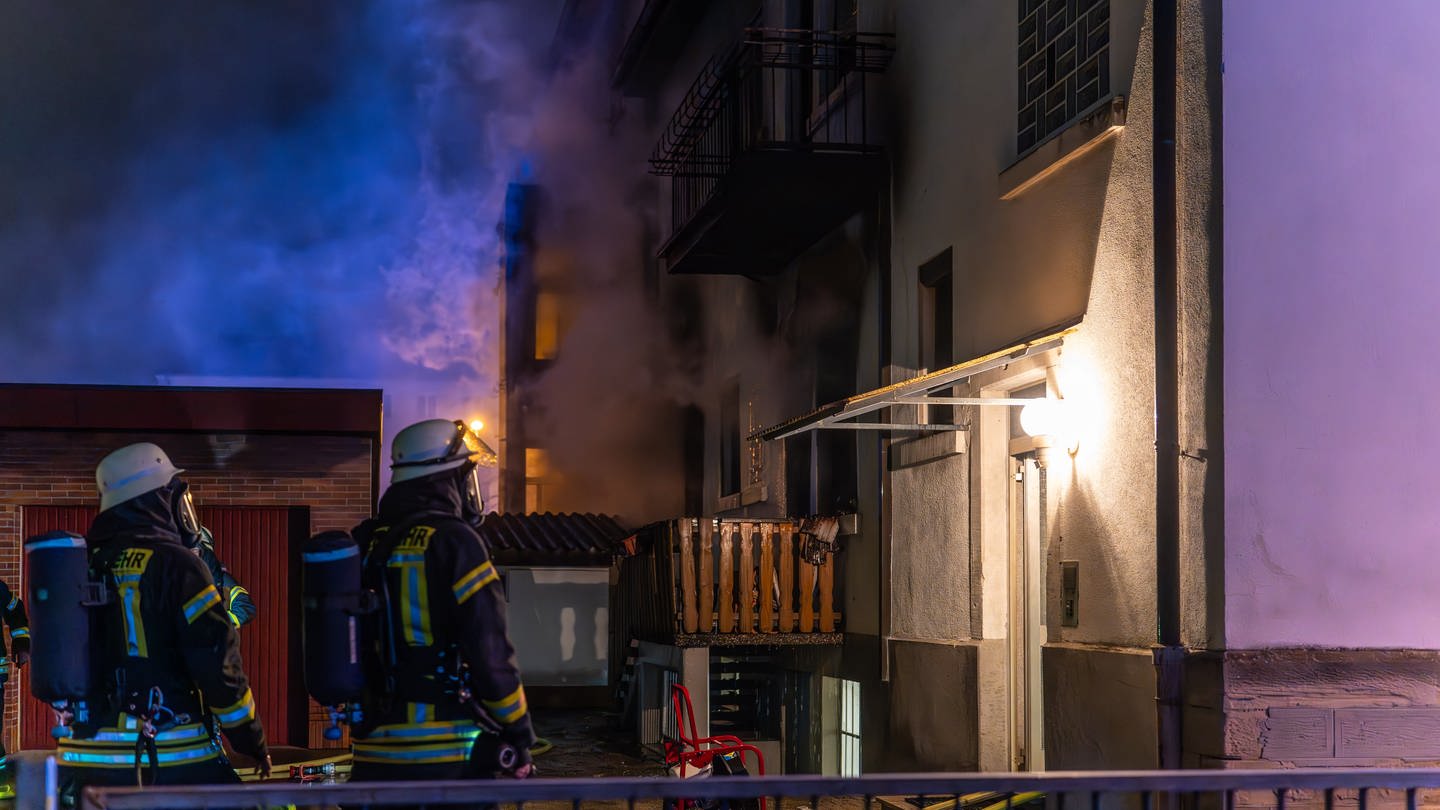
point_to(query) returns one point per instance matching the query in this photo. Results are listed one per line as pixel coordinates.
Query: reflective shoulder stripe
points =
(201, 602)
(509, 709)
(238, 713)
(14, 600)
(470, 584)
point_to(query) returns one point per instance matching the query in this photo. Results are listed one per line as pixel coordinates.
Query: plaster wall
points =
(933, 713)
(1075, 245)
(1117, 733)
(930, 570)
(1330, 193)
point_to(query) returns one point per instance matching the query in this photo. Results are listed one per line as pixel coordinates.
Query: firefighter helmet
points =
(132, 471)
(436, 445)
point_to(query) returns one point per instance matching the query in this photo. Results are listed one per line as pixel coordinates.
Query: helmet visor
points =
(186, 518)
(469, 443)
(473, 505)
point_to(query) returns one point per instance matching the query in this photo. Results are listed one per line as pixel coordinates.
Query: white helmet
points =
(132, 471)
(436, 445)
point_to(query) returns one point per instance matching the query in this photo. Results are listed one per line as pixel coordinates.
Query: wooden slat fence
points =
(747, 577)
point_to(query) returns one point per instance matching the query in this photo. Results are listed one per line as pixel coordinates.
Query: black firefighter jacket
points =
(165, 644)
(444, 601)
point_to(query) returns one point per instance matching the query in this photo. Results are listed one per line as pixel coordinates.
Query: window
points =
(1064, 65)
(547, 325)
(730, 439)
(937, 329)
(537, 475)
(841, 727)
(849, 728)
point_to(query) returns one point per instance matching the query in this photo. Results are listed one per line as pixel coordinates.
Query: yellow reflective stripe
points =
(453, 751)
(127, 587)
(508, 709)
(470, 584)
(233, 594)
(123, 755)
(201, 602)
(433, 732)
(20, 632)
(414, 607)
(419, 713)
(242, 711)
(111, 736)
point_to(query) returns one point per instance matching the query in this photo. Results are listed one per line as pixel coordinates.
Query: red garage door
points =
(255, 543)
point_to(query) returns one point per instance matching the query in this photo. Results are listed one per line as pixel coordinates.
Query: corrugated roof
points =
(552, 539)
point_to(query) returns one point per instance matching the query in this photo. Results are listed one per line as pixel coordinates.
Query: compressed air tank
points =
(332, 602)
(57, 596)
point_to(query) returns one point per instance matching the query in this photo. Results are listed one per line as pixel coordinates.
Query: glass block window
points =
(1064, 64)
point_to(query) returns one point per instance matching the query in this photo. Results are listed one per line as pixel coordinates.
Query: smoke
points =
(261, 189)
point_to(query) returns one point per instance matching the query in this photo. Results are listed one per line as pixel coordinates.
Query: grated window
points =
(1064, 64)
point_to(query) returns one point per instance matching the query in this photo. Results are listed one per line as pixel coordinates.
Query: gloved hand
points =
(263, 766)
(505, 754)
(523, 767)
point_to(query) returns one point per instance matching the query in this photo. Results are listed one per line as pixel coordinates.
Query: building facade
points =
(881, 230)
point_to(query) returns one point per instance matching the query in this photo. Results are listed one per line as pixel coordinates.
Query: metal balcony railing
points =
(777, 90)
(1220, 789)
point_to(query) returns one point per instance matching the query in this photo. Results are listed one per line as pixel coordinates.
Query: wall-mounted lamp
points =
(1049, 422)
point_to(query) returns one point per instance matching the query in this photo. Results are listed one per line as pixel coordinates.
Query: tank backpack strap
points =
(377, 556)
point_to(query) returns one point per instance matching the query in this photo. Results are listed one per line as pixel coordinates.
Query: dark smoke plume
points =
(228, 188)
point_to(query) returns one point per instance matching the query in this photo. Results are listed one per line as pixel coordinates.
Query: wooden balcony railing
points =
(701, 582)
(749, 577)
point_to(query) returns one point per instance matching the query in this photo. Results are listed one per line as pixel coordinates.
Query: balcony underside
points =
(771, 206)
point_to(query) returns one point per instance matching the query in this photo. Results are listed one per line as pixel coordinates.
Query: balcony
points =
(702, 582)
(771, 149)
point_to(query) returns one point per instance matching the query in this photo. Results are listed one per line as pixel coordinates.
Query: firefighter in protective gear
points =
(441, 666)
(170, 658)
(13, 611)
(233, 596)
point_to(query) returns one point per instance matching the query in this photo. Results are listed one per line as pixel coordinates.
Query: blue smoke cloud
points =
(233, 188)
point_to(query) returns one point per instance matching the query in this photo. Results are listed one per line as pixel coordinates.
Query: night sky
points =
(256, 188)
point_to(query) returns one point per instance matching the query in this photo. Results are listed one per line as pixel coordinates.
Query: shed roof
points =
(552, 539)
(210, 410)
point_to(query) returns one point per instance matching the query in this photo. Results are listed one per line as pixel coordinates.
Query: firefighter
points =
(441, 665)
(233, 596)
(14, 614)
(169, 657)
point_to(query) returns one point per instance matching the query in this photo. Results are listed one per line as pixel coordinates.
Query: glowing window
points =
(547, 326)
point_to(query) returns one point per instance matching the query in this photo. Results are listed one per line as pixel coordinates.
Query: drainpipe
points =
(1169, 654)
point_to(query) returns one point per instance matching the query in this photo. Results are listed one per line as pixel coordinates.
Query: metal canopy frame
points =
(841, 415)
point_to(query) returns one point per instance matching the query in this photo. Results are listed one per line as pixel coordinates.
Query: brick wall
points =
(331, 475)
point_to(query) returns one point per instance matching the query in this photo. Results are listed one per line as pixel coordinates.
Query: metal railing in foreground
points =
(1224, 789)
